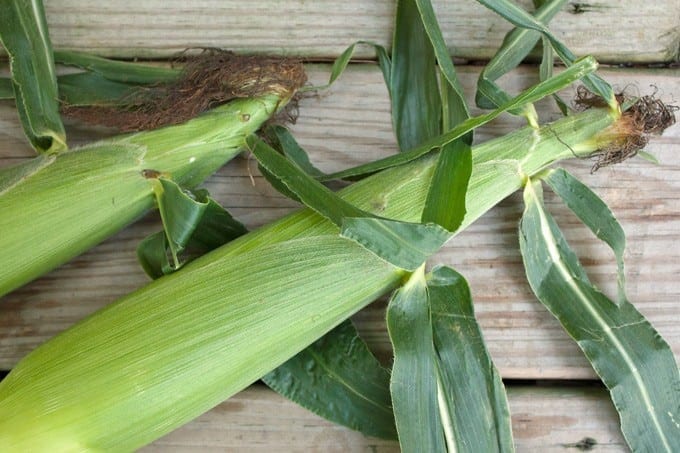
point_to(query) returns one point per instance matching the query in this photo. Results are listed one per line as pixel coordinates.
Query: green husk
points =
(109, 184)
(172, 350)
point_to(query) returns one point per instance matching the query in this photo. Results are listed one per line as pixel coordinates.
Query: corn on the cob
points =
(74, 200)
(172, 350)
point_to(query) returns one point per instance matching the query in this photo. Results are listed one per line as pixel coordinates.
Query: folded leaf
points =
(193, 224)
(403, 244)
(445, 204)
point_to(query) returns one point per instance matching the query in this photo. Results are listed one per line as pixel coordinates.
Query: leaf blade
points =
(630, 357)
(416, 105)
(23, 33)
(594, 213)
(472, 387)
(578, 70)
(413, 386)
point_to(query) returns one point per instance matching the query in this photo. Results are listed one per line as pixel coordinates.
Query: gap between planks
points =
(612, 30)
(544, 419)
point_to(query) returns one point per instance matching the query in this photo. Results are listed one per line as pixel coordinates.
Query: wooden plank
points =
(350, 124)
(613, 30)
(258, 420)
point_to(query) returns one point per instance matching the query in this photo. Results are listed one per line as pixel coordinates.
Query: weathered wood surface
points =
(258, 420)
(350, 124)
(613, 30)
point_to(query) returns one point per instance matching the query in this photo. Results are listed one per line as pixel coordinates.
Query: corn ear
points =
(163, 355)
(74, 200)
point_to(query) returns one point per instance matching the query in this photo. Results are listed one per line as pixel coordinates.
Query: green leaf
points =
(594, 213)
(152, 254)
(180, 212)
(89, 88)
(515, 47)
(631, 358)
(414, 89)
(445, 203)
(84, 88)
(340, 64)
(284, 142)
(520, 18)
(215, 228)
(23, 33)
(6, 89)
(309, 191)
(546, 71)
(578, 70)
(471, 388)
(193, 224)
(414, 385)
(403, 244)
(118, 71)
(453, 98)
(339, 379)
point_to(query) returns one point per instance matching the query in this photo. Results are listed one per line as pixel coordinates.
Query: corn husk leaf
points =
(648, 157)
(111, 185)
(194, 224)
(403, 244)
(118, 71)
(446, 393)
(454, 101)
(6, 90)
(284, 142)
(520, 18)
(23, 33)
(471, 389)
(578, 70)
(631, 358)
(414, 88)
(545, 71)
(340, 63)
(104, 82)
(594, 213)
(339, 379)
(515, 47)
(445, 204)
(414, 383)
(89, 88)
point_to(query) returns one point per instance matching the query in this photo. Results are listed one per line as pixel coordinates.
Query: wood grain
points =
(258, 420)
(613, 30)
(350, 124)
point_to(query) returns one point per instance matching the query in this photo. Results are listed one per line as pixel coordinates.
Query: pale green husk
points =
(165, 354)
(74, 200)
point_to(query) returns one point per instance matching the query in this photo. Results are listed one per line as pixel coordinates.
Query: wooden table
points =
(554, 397)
